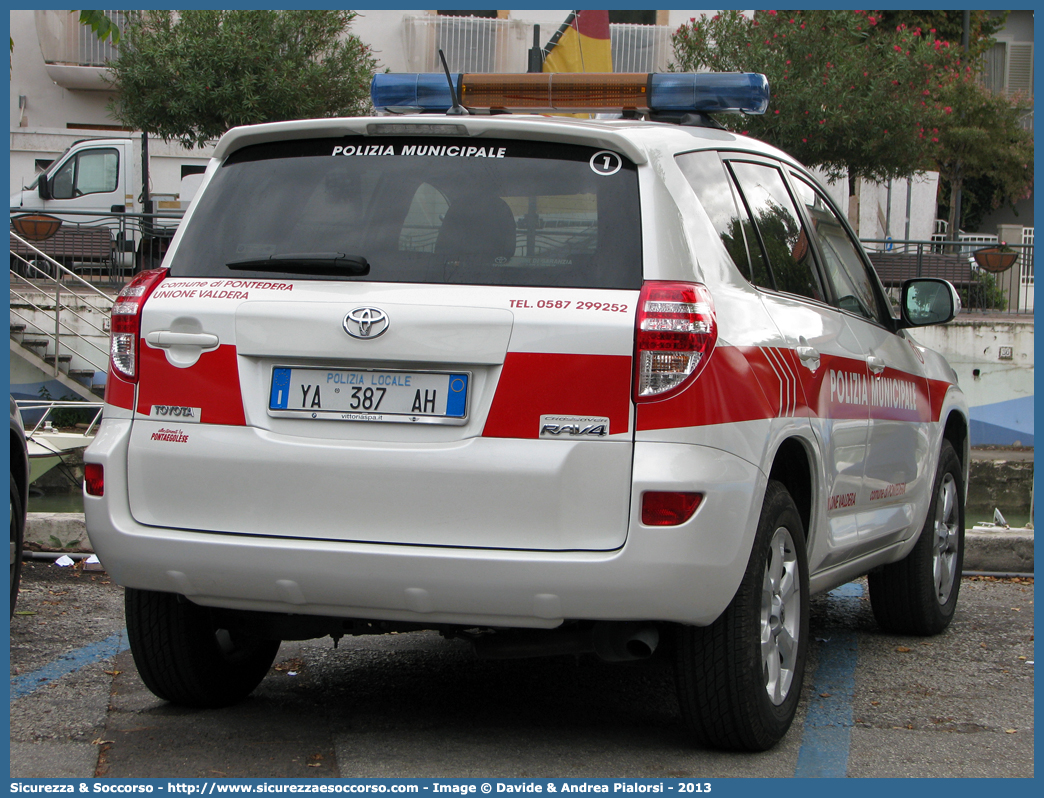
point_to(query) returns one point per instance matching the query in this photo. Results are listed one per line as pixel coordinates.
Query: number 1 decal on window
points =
(606, 163)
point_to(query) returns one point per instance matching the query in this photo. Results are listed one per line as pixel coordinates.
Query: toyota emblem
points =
(366, 322)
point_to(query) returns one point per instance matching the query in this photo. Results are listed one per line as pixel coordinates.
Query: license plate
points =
(427, 397)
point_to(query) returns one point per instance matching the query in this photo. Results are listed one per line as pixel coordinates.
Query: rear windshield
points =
(422, 210)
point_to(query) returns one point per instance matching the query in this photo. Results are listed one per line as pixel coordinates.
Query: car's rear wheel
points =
(17, 536)
(739, 679)
(184, 657)
(918, 594)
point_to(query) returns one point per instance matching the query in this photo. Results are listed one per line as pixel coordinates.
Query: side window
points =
(64, 179)
(91, 172)
(97, 171)
(841, 261)
(779, 227)
(708, 178)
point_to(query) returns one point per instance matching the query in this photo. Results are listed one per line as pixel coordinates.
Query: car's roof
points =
(636, 139)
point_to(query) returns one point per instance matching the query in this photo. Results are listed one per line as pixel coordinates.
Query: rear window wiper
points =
(322, 263)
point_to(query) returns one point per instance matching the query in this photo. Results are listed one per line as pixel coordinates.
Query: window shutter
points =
(1020, 69)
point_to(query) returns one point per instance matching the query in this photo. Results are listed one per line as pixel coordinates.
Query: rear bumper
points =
(687, 573)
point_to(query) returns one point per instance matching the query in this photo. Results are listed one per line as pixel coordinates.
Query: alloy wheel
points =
(946, 541)
(780, 616)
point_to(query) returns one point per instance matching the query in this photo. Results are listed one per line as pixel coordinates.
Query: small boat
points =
(48, 445)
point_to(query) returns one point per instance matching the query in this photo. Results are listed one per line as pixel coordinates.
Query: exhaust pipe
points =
(617, 641)
(611, 641)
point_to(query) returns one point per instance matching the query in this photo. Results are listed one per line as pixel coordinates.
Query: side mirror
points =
(928, 300)
(44, 188)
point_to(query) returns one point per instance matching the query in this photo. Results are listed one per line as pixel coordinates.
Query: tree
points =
(191, 75)
(848, 96)
(983, 139)
(949, 25)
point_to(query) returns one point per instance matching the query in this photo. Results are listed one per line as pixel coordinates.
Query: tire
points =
(918, 594)
(739, 679)
(39, 269)
(17, 536)
(183, 657)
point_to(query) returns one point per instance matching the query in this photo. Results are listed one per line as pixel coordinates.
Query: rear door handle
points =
(164, 339)
(875, 363)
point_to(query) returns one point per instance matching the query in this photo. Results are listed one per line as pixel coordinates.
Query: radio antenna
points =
(457, 108)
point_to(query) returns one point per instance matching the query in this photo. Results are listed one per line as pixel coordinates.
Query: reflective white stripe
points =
(787, 382)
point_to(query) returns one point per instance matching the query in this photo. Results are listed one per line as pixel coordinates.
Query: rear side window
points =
(783, 236)
(424, 210)
(708, 178)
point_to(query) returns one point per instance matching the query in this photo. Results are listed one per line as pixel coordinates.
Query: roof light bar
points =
(706, 92)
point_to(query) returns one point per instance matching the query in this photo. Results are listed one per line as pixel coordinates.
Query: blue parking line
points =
(828, 724)
(68, 663)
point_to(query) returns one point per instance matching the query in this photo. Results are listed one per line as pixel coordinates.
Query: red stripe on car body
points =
(753, 383)
(211, 384)
(937, 390)
(533, 384)
(119, 392)
(728, 390)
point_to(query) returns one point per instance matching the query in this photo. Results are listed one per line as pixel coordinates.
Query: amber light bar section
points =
(557, 91)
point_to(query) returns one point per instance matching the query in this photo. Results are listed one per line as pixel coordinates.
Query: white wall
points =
(49, 106)
(873, 206)
(1000, 392)
(971, 344)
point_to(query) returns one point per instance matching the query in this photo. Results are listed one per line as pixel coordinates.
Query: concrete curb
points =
(1002, 550)
(56, 532)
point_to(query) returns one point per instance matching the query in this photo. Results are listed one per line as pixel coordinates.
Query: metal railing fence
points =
(55, 294)
(106, 249)
(37, 413)
(1009, 290)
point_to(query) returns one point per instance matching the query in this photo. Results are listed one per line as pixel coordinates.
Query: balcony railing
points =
(65, 41)
(474, 44)
(640, 48)
(73, 56)
(471, 44)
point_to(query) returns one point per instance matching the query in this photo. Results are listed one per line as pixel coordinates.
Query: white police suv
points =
(553, 385)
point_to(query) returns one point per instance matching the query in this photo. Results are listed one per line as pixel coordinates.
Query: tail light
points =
(668, 508)
(675, 334)
(126, 323)
(94, 479)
